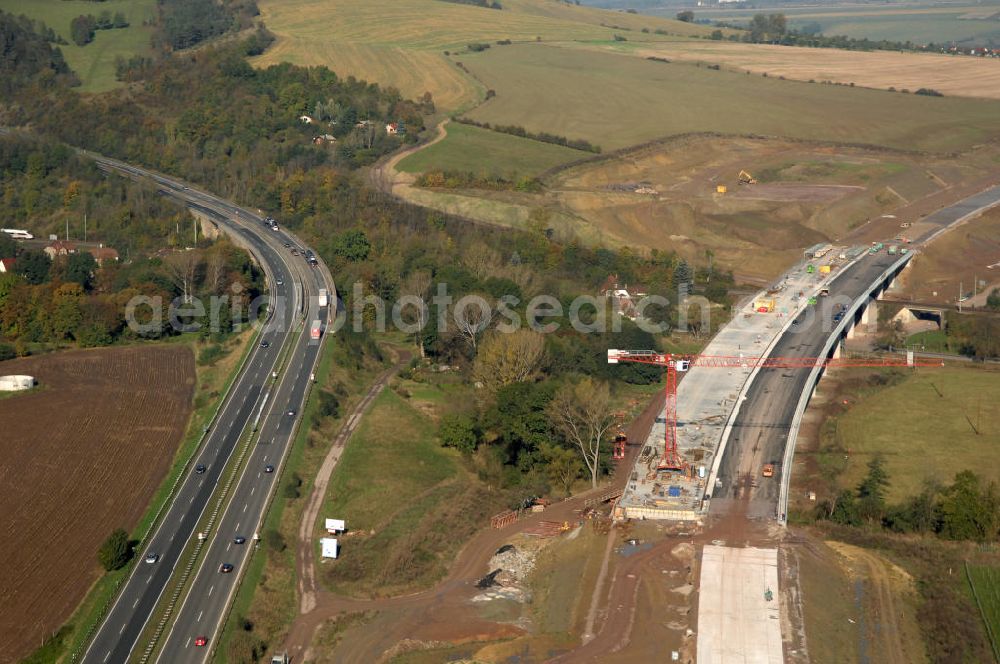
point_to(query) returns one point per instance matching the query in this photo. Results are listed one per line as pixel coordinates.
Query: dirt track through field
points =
(306, 553)
(80, 456)
(441, 611)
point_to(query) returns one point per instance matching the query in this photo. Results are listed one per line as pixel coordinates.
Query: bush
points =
(7, 352)
(211, 354)
(928, 92)
(274, 540)
(458, 431)
(115, 551)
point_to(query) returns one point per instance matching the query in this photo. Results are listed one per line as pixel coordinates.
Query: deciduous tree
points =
(582, 413)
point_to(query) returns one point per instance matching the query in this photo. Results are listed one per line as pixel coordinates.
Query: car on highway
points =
(279, 282)
(268, 468)
(287, 245)
(201, 641)
(200, 468)
(265, 344)
(239, 539)
(225, 568)
(152, 558)
(290, 412)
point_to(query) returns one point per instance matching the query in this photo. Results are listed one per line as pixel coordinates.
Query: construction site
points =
(678, 466)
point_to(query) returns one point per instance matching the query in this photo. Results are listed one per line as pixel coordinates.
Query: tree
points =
(182, 268)
(993, 299)
(686, 16)
(683, 276)
(80, 268)
(844, 509)
(508, 358)
(582, 413)
(562, 465)
(81, 30)
(969, 510)
(458, 431)
(416, 286)
(115, 551)
(871, 491)
(66, 312)
(472, 319)
(518, 420)
(34, 266)
(8, 246)
(352, 245)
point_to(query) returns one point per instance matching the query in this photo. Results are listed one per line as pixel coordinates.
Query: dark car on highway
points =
(268, 468)
(226, 568)
(200, 468)
(239, 539)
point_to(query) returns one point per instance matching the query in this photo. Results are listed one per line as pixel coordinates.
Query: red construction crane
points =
(675, 364)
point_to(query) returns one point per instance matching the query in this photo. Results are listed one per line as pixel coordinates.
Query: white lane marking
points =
(124, 625)
(198, 619)
(229, 546)
(106, 656)
(136, 603)
(149, 578)
(245, 507)
(188, 642)
(237, 527)
(210, 591)
(251, 490)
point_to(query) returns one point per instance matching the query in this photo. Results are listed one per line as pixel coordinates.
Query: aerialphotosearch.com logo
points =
(153, 315)
(468, 315)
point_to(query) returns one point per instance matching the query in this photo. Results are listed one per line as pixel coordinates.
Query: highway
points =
(293, 285)
(760, 431)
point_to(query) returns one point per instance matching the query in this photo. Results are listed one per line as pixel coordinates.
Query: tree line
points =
(83, 27)
(966, 509)
(544, 137)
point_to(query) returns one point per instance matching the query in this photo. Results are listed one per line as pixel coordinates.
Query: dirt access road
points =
(80, 456)
(307, 554)
(441, 612)
(386, 178)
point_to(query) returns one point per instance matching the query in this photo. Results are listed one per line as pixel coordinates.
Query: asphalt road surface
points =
(761, 429)
(254, 393)
(760, 432)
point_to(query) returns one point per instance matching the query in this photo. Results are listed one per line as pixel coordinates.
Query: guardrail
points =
(220, 501)
(734, 413)
(813, 379)
(157, 518)
(270, 499)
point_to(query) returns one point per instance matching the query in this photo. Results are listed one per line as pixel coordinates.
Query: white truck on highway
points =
(324, 299)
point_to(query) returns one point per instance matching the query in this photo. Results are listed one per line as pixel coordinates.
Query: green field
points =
(616, 101)
(408, 502)
(474, 150)
(94, 63)
(922, 435)
(402, 42)
(986, 583)
(970, 25)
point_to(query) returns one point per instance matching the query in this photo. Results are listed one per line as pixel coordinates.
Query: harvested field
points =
(548, 88)
(958, 76)
(401, 42)
(81, 456)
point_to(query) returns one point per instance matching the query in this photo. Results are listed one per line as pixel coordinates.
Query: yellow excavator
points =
(746, 178)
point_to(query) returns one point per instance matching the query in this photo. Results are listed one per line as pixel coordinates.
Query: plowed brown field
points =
(79, 456)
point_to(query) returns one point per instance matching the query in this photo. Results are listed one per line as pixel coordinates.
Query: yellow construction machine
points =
(746, 178)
